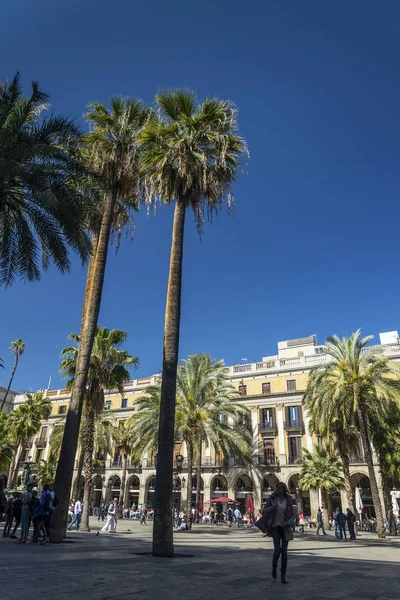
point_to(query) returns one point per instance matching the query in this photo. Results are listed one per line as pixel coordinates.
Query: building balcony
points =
(267, 426)
(294, 425)
(357, 460)
(41, 442)
(266, 461)
(294, 460)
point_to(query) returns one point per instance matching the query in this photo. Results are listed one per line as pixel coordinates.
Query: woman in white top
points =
(110, 525)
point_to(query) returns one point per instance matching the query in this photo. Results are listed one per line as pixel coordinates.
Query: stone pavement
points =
(211, 563)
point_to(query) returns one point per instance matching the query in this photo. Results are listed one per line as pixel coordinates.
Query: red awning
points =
(224, 499)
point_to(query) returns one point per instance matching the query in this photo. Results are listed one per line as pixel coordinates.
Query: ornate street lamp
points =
(179, 462)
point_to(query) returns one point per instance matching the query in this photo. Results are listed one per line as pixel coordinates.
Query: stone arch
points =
(133, 490)
(113, 487)
(97, 490)
(150, 487)
(361, 487)
(218, 486)
(268, 485)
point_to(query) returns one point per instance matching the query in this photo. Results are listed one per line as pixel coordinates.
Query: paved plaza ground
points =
(211, 563)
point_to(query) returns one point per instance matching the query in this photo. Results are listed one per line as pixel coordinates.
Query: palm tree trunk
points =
(122, 493)
(198, 479)
(87, 448)
(351, 501)
(17, 462)
(380, 528)
(324, 506)
(11, 470)
(188, 503)
(163, 544)
(386, 488)
(93, 293)
(10, 382)
(78, 481)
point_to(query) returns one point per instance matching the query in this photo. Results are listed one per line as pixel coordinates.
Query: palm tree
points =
(336, 437)
(42, 182)
(385, 435)
(123, 438)
(354, 385)
(24, 423)
(6, 449)
(206, 410)
(321, 471)
(190, 155)
(107, 371)
(47, 469)
(17, 348)
(112, 150)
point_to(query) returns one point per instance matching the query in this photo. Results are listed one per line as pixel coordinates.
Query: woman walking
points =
(278, 516)
(110, 524)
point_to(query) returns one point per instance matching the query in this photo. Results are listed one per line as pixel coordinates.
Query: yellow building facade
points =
(273, 391)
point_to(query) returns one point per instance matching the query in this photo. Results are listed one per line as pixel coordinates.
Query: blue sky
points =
(314, 245)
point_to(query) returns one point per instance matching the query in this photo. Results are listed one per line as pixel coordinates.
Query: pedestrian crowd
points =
(22, 509)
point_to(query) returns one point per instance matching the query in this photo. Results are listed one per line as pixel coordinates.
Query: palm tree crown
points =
(191, 151)
(320, 470)
(42, 177)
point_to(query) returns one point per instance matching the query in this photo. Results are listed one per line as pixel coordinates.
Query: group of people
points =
(25, 508)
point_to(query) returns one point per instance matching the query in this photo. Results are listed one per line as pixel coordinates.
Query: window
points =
(107, 405)
(124, 403)
(39, 454)
(319, 350)
(267, 417)
(266, 387)
(62, 410)
(222, 418)
(294, 447)
(43, 434)
(293, 415)
(291, 385)
(269, 448)
(243, 390)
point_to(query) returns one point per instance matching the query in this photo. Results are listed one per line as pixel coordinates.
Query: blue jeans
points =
(280, 548)
(321, 526)
(76, 520)
(342, 532)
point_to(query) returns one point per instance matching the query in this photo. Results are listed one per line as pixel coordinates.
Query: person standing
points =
(238, 515)
(351, 519)
(17, 511)
(278, 516)
(25, 520)
(101, 512)
(9, 516)
(341, 521)
(40, 515)
(320, 521)
(77, 515)
(110, 524)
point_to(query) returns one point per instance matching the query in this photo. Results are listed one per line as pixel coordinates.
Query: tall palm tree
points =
(335, 436)
(206, 410)
(124, 442)
(107, 371)
(385, 435)
(43, 203)
(112, 150)
(17, 348)
(354, 385)
(190, 156)
(24, 423)
(321, 471)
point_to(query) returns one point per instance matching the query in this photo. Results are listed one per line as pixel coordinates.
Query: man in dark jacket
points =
(17, 510)
(320, 521)
(351, 519)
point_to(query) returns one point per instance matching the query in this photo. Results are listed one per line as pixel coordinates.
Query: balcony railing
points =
(357, 459)
(267, 426)
(294, 460)
(296, 425)
(266, 461)
(41, 442)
